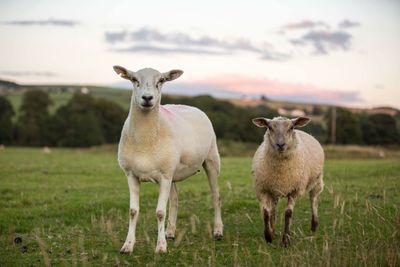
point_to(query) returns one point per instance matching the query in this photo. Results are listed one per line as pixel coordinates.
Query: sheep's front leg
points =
(165, 188)
(134, 186)
(288, 219)
(172, 212)
(272, 218)
(268, 207)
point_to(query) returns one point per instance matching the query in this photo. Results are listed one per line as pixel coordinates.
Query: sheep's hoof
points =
(127, 248)
(170, 234)
(268, 237)
(218, 236)
(170, 237)
(286, 240)
(161, 249)
(218, 233)
(314, 225)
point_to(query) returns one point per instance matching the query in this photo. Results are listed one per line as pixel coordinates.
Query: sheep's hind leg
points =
(134, 186)
(314, 203)
(172, 212)
(165, 189)
(212, 165)
(288, 220)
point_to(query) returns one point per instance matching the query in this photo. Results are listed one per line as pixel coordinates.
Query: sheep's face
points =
(280, 132)
(147, 85)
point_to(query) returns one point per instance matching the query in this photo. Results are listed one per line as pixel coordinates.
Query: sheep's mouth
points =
(281, 149)
(147, 106)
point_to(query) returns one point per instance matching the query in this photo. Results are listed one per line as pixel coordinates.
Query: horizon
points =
(344, 53)
(227, 96)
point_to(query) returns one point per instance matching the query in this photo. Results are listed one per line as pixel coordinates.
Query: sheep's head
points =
(147, 85)
(280, 131)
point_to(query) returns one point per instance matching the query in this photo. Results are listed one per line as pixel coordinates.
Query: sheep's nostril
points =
(147, 98)
(280, 145)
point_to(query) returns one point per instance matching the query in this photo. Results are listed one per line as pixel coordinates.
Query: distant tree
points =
(6, 114)
(111, 117)
(317, 111)
(76, 124)
(380, 129)
(229, 121)
(32, 123)
(348, 128)
(317, 130)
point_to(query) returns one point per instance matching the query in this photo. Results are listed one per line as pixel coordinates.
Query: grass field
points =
(70, 207)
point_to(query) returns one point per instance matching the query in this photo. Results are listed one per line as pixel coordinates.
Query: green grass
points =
(70, 207)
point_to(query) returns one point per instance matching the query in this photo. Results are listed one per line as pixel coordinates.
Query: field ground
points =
(70, 207)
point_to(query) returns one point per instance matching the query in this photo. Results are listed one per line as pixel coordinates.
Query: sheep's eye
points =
(291, 128)
(160, 82)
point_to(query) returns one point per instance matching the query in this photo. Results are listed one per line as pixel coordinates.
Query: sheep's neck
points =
(276, 156)
(144, 125)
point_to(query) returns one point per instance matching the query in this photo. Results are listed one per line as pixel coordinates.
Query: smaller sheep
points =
(288, 163)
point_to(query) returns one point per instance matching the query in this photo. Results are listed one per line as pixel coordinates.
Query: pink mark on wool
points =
(167, 112)
(181, 106)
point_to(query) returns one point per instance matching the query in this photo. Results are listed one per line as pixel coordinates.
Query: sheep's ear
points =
(172, 75)
(121, 71)
(300, 121)
(261, 122)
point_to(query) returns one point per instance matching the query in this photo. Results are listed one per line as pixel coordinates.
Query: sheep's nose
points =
(280, 145)
(147, 98)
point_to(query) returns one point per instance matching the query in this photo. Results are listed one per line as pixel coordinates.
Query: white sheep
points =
(288, 164)
(164, 144)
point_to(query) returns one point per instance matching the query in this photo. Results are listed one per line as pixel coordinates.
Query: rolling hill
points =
(60, 94)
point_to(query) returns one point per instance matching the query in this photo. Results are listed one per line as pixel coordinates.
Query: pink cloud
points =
(277, 89)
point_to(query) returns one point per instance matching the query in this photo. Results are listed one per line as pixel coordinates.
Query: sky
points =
(339, 52)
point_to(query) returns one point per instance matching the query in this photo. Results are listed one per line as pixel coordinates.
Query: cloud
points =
(152, 40)
(322, 36)
(305, 24)
(325, 41)
(45, 22)
(345, 24)
(275, 56)
(162, 50)
(181, 39)
(28, 73)
(115, 37)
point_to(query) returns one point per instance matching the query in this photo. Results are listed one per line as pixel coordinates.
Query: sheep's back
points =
(192, 130)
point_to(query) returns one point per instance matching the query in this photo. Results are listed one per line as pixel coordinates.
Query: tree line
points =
(87, 121)
(364, 129)
(84, 121)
